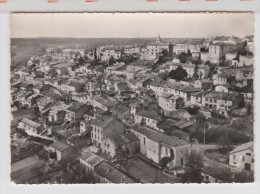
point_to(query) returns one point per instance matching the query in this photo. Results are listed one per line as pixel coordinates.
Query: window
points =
(248, 154)
(182, 161)
(166, 151)
(144, 140)
(243, 158)
(234, 157)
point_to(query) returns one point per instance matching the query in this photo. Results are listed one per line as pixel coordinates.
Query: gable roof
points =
(109, 172)
(91, 158)
(148, 114)
(60, 146)
(160, 137)
(31, 123)
(242, 147)
(122, 139)
(24, 163)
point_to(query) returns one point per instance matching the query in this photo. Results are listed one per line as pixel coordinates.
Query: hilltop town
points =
(155, 112)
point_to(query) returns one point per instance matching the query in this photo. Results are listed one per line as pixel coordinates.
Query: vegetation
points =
(178, 74)
(193, 174)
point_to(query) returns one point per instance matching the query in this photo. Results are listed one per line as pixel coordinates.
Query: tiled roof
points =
(91, 158)
(124, 139)
(148, 114)
(24, 163)
(31, 123)
(161, 137)
(221, 95)
(245, 146)
(222, 173)
(102, 121)
(109, 172)
(58, 145)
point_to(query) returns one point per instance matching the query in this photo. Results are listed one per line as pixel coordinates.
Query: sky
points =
(131, 25)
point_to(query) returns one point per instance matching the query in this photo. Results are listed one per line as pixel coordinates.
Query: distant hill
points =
(23, 48)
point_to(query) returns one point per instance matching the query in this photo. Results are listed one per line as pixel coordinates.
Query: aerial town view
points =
(115, 99)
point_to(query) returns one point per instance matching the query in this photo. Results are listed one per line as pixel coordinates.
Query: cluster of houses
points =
(127, 109)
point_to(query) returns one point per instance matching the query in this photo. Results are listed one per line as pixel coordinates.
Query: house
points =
(131, 49)
(155, 145)
(60, 151)
(106, 173)
(169, 102)
(104, 103)
(31, 126)
(76, 111)
(221, 100)
(222, 45)
(121, 87)
(220, 79)
(56, 115)
(247, 60)
(174, 127)
(121, 145)
(89, 160)
(57, 111)
(242, 157)
(217, 175)
(26, 169)
(138, 105)
(120, 111)
(85, 126)
(104, 127)
(150, 118)
(153, 49)
(224, 88)
(204, 84)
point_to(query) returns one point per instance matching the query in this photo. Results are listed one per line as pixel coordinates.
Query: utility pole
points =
(204, 135)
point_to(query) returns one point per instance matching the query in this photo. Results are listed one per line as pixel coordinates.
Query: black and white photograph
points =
(127, 98)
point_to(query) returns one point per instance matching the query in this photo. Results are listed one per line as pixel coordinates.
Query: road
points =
(200, 150)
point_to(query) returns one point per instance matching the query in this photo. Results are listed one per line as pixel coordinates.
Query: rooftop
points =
(160, 137)
(242, 147)
(24, 163)
(60, 146)
(113, 175)
(124, 139)
(31, 123)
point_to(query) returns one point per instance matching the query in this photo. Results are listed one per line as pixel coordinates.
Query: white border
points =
(130, 5)
(7, 187)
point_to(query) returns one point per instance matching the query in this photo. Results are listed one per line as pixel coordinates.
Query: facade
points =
(104, 127)
(125, 145)
(155, 145)
(169, 102)
(76, 111)
(149, 118)
(242, 157)
(31, 126)
(62, 151)
(222, 45)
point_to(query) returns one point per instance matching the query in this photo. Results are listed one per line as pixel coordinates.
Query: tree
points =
(95, 54)
(195, 164)
(166, 160)
(183, 57)
(189, 53)
(245, 44)
(111, 61)
(178, 74)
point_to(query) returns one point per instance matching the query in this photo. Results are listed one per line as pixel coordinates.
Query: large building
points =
(155, 145)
